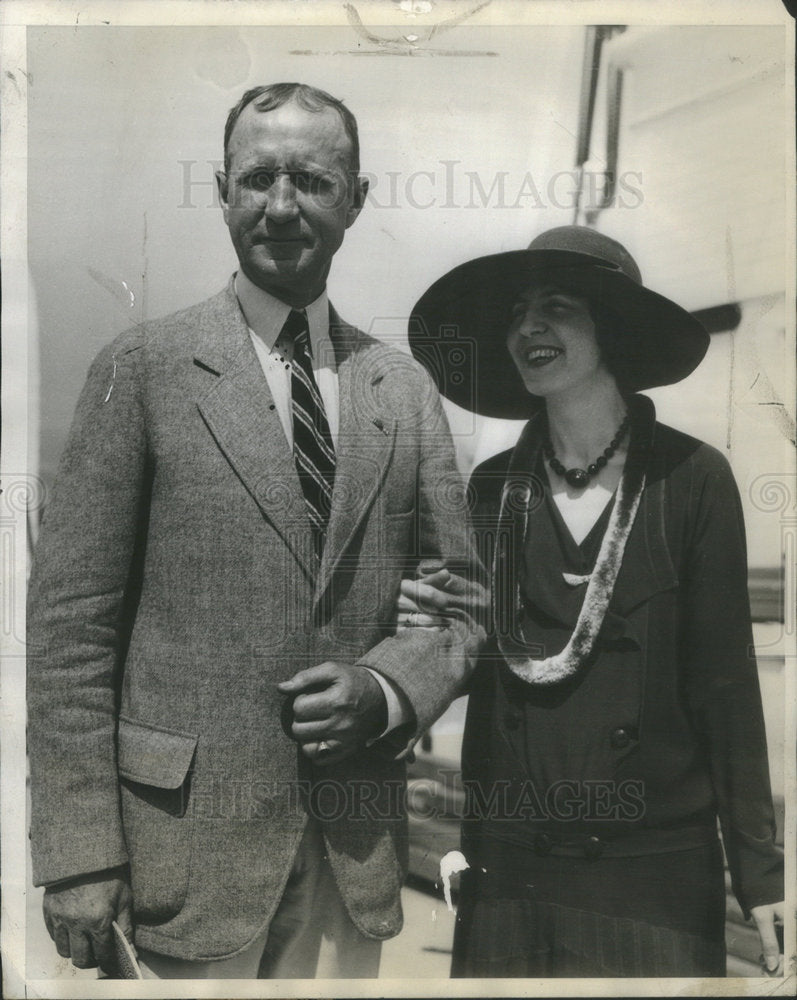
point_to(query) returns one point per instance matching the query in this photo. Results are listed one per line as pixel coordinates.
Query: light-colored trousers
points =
(310, 935)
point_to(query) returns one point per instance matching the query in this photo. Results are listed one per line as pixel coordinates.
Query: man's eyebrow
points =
(271, 166)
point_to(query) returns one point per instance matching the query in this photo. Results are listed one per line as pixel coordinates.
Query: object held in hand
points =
(323, 747)
(126, 958)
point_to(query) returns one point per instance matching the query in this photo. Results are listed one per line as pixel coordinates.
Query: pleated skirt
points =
(652, 916)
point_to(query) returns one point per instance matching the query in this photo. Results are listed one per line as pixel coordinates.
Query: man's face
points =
(288, 198)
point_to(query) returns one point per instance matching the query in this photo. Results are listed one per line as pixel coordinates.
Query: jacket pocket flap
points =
(153, 755)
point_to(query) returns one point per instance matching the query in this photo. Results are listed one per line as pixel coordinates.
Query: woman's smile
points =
(539, 356)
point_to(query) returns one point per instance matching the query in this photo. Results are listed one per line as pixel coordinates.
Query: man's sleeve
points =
(723, 688)
(76, 623)
(431, 666)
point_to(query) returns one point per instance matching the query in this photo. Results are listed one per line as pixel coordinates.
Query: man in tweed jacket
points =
(217, 717)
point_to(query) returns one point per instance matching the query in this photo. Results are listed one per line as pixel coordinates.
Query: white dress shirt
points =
(265, 316)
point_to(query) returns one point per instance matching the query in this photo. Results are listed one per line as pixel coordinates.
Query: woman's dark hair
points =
(614, 342)
(268, 98)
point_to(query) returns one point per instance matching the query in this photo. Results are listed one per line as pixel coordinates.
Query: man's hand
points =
(767, 918)
(79, 914)
(339, 704)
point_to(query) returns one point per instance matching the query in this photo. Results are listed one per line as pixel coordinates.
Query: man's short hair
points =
(274, 95)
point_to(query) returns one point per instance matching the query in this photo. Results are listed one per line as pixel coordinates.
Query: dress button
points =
(512, 720)
(593, 848)
(543, 842)
(620, 739)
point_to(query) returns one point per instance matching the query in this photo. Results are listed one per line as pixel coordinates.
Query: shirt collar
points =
(265, 316)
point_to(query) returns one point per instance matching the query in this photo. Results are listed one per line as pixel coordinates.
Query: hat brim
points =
(458, 328)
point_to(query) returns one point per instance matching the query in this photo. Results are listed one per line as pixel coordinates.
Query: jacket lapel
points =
(238, 410)
(647, 568)
(366, 440)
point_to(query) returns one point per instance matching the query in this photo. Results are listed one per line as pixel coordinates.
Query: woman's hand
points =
(431, 600)
(767, 918)
(420, 601)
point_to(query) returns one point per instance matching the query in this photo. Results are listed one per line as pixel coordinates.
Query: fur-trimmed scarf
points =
(599, 591)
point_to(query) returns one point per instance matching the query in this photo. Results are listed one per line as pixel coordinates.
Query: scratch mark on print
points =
(124, 295)
(10, 76)
(113, 379)
(411, 43)
(451, 864)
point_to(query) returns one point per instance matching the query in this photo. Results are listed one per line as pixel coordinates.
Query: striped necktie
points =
(313, 450)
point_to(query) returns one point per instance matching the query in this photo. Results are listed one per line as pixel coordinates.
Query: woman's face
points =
(552, 341)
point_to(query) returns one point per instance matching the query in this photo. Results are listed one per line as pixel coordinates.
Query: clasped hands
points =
(338, 707)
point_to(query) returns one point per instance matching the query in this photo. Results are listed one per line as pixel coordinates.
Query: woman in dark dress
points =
(615, 714)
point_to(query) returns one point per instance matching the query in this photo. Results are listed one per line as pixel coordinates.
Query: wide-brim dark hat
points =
(458, 327)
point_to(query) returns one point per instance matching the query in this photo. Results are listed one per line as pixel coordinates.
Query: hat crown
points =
(588, 242)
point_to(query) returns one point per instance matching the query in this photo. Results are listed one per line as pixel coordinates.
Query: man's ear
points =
(223, 184)
(358, 194)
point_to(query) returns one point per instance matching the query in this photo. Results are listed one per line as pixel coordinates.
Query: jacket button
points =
(543, 842)
(593, 848)
(512, 720)
(620, 739)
